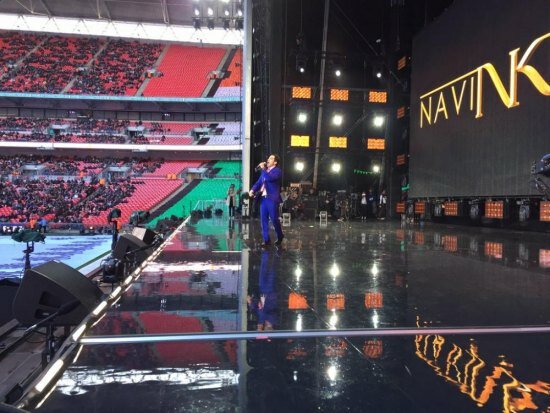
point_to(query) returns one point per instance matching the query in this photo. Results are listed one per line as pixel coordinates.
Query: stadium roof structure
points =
(212, 22)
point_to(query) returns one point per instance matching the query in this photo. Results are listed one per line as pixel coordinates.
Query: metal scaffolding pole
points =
(321, 95)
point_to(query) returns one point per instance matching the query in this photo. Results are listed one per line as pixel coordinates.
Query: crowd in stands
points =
(52, 66)
(119, 70)
(14, 47)
(71, 200)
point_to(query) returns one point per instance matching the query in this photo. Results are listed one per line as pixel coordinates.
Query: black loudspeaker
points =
(48, 287)
(144, 234)
(126, 244)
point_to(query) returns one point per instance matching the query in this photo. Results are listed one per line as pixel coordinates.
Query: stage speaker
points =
(127, 243)
(144, 234)
(50, 286)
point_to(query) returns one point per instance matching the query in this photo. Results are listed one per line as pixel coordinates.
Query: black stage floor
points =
(346, 317)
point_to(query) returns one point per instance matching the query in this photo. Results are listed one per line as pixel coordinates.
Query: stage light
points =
(338, 73)
(336, 167)
(226, 12)
(378, 121)
(197, 11)
(334, 270)
(210, 11)
(301, 63)
(337, 119)
(379, 75)
(302, 117)
(302, 70)
(299, 166)
(376, 169)
(239, 12)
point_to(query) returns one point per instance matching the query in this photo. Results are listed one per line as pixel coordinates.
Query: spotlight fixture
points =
(378, 121)
(299, 166)
(301, 63)
(226, 12)
(336, 167)
(379, 75)
(302, 117)
(337, 119)
(376, 169)
(210, 11)
(240, 12)
(338, 73)
(196, 11)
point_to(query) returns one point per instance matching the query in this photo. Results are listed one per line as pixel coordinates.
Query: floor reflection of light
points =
(332, 373)
(374, 270)
(333, 320)
(375, 320)
(299, 323)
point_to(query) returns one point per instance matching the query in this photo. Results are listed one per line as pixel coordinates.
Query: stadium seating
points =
(184, 71)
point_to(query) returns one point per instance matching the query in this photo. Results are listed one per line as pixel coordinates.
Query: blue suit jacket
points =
(272, 181)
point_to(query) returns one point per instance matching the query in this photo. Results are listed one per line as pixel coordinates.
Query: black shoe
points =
(265, 244)
(279, 241)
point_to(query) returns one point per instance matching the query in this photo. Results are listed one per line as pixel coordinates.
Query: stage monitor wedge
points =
(48, 287)
(131, 248)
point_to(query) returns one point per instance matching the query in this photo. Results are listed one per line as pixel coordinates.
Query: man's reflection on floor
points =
(262, 303)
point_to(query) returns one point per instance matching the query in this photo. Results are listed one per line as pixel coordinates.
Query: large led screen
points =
(480, 99)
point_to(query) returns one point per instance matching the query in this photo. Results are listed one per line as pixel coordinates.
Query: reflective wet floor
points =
(370, 278)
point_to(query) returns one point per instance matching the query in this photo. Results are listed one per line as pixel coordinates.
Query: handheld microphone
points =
(259, 167)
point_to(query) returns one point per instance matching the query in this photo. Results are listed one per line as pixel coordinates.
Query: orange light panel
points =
(401, 112)
(374, 300)
(297, 301)
(494, 209)
(336, 301)
(402, 63)
(544, 258)
(419, 208)
(338, 142)
(451, 209)
(336, 349)
(401, 160)
(450, 243)
(400, 208)
(545, 211)
(301, 92)
(299, 140)
(339, 94)
(419, 238)
(376, 144)
(493, 249)
(373, 349)
(400, 234)
(378, 96)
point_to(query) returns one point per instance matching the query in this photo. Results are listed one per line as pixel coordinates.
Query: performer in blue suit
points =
(269, 187)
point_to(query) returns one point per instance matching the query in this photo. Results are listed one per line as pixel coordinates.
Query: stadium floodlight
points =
(336, 167)
(302, 117)
(337, 119)
(376, 169)
(378, 121)
(299, 166)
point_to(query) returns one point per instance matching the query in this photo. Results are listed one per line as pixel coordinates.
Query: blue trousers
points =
(269, 209)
